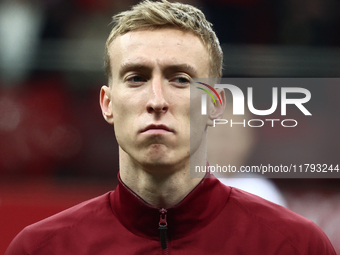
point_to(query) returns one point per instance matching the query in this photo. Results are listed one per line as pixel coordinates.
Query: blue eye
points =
(135, 80)
(181, 81)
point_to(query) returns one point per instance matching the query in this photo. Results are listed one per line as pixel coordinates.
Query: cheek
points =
(125, 105)
(194, 124)
(198, 122)
(195, 108)
(122, 116)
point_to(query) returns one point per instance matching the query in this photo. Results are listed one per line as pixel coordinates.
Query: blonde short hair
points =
(156, 15)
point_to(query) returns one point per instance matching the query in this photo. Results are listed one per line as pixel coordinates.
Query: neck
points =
(163, 188)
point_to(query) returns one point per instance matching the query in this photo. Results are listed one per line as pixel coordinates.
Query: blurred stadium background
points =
(55, 148)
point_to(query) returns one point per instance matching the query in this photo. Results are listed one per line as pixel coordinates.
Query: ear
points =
(106, 104)
(216, 111)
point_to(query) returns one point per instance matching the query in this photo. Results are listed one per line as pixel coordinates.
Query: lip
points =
(156, 129)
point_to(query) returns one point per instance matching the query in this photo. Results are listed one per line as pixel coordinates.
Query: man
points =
(152, 54)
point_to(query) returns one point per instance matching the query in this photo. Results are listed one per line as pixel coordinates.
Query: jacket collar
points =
(193, 213)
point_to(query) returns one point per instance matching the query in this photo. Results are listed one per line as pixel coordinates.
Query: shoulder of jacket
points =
(299, 231)
(38, 234)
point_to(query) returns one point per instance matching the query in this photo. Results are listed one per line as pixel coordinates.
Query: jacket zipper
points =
(163, 227)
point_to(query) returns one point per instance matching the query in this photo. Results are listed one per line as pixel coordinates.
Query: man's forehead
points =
(165, 47)
(165, 65)
(170, 31)
(160, 38)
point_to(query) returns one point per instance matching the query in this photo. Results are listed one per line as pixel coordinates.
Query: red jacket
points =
(212, 219)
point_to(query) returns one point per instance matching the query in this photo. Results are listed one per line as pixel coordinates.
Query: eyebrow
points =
(126, 67)
(131, 66)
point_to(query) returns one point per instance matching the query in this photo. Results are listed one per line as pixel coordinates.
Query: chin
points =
(164, 164)
(158, 161)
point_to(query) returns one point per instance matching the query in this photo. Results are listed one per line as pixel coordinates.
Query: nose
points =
(157, 102)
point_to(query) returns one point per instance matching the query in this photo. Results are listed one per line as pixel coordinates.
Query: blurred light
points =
(10, 115)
